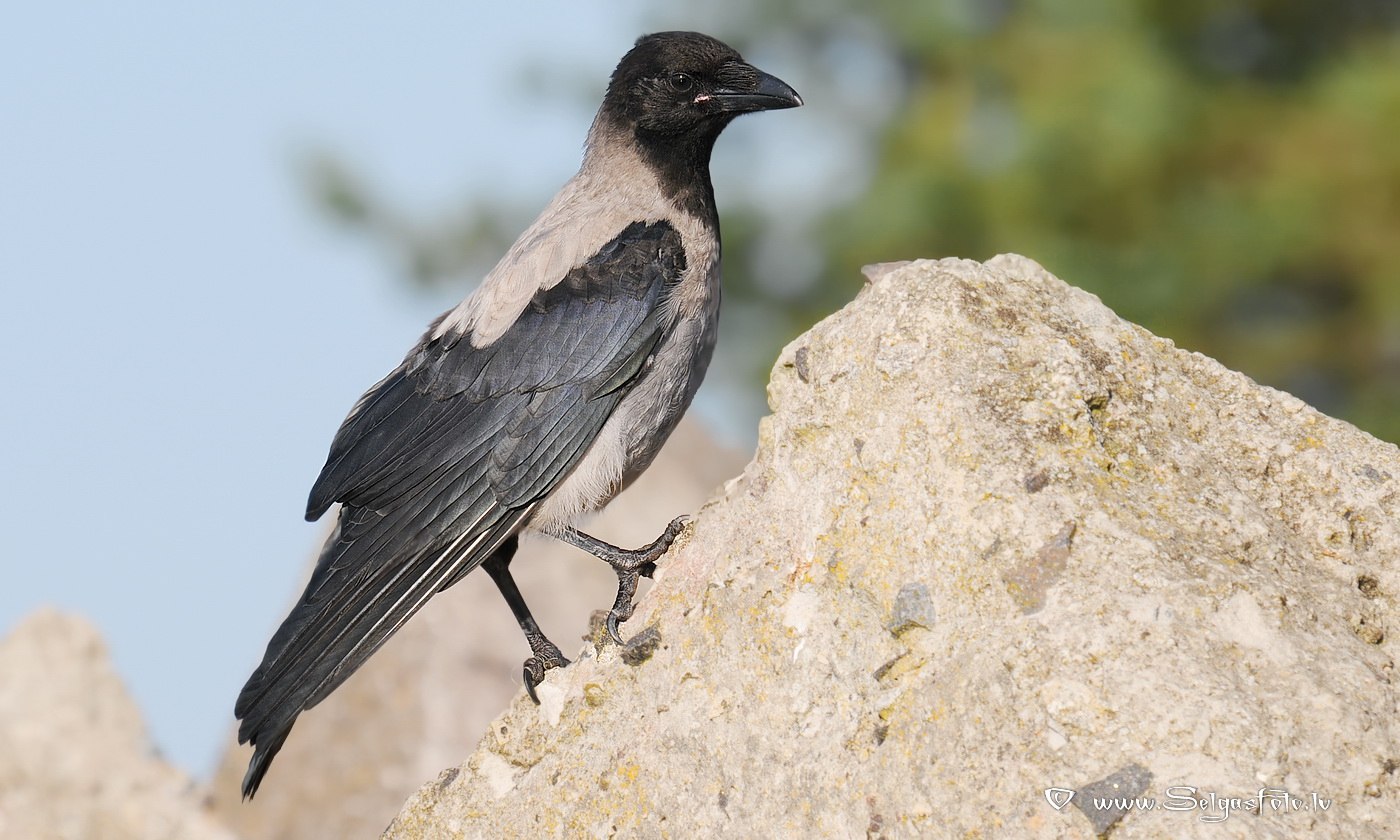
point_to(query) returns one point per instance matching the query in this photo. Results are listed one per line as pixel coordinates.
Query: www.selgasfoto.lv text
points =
(1214, 807)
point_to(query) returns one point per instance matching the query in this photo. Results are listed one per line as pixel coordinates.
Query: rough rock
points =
(76, 762)
(999, 551)
(424, 701)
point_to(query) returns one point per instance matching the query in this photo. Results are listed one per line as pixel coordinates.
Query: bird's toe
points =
(547, 657)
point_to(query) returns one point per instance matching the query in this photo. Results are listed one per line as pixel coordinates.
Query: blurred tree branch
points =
(1224, 172)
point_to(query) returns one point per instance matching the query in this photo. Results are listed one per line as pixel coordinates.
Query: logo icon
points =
(1058, 797)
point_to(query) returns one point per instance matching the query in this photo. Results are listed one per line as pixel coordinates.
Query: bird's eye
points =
(681, 82)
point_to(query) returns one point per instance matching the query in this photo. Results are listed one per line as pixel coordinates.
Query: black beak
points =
(767, 93)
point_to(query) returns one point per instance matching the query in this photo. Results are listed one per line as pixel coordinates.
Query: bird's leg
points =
(544, 654)
(630, 564)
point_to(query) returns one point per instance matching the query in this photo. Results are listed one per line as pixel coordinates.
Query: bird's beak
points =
(767, 93)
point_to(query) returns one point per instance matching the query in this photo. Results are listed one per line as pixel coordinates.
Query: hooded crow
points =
(537, 399)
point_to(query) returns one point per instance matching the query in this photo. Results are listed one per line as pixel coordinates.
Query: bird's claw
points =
(532, 674)
(612, 629)
(547, 657)
(673, 530)
(623, 605)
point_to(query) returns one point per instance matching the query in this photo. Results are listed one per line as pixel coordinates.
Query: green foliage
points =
(1227, 174)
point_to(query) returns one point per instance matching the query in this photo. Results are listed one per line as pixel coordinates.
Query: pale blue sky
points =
(181, 332)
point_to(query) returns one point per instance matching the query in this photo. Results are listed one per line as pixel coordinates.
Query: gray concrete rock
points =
(999, 552)
(424, 701)
(76, 762)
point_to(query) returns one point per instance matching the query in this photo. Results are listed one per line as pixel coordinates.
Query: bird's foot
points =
(546, 657)
(640, 560)
(630, 564)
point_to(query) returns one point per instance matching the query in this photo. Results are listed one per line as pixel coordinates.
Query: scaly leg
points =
(545, 655)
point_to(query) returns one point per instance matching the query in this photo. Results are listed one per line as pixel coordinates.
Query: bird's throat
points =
(682, 167)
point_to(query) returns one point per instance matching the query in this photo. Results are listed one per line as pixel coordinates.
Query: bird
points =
(534, 401)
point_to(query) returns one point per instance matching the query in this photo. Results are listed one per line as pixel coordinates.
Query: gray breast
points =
(649, 413)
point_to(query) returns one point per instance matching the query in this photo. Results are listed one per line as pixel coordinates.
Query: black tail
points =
(263, 754)
(363, 590)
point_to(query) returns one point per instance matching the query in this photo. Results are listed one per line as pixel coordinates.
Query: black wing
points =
(446, 458)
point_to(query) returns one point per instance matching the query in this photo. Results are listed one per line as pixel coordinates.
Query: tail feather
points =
(342, 619)
(262, 759)
(369, 556)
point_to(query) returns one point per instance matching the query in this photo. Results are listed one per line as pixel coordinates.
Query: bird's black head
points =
(686, 83)
(674, 92)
